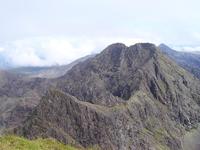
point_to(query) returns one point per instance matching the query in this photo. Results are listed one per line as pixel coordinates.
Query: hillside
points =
(21, 90)
(18, 96)
(18, 143)
(189, 61)
(124, 98)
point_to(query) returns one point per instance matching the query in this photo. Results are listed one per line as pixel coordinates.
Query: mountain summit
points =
(123, 98)
(112, 76)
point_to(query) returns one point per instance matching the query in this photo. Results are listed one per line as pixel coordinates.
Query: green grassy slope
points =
(19, 143)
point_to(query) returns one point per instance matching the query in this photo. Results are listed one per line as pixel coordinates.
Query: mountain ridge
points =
(124, 98)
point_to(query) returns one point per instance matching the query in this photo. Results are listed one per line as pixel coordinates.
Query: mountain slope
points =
(21, 91)
(18, 96)
(124, 98)
(189, 61)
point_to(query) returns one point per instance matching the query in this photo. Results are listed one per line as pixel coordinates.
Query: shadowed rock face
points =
(124, 98)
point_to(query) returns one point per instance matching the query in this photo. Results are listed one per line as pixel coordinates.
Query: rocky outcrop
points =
(124, 98)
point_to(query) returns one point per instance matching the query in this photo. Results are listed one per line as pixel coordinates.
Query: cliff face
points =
(124, 98)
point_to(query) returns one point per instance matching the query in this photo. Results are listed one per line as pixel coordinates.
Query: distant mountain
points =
(189, 61)
(123, 98)
(48, 72)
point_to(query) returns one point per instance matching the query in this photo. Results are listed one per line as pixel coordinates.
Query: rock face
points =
(124, 98)
(189, 61)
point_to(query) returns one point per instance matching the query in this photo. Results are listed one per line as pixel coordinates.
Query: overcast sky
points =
(48, 32)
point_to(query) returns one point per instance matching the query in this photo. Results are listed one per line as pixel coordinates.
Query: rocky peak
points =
(115, 47)
(116, 51)
(110, 77)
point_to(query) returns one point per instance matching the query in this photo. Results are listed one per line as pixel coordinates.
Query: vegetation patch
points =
(19, 143)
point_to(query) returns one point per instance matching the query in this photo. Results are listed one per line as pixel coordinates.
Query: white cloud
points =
(187, 48)
(47, 51)
(1, 49)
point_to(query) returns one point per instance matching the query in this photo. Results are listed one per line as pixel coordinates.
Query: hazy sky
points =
(47, 32)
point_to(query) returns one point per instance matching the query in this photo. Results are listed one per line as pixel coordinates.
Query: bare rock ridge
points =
(124, 98)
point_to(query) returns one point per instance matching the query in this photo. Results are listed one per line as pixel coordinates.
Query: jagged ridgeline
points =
(123, 98)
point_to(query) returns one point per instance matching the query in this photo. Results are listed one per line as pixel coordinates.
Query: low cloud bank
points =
(48, 51)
